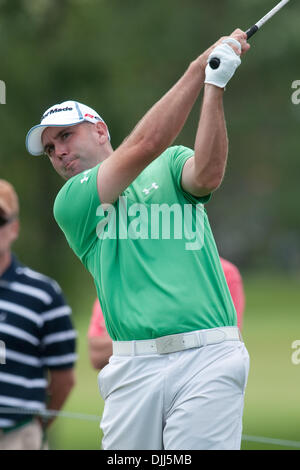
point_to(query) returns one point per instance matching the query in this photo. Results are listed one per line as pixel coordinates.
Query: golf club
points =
(215, 62)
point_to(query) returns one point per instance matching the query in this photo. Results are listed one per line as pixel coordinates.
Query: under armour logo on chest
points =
(153, 186)
(85, 178)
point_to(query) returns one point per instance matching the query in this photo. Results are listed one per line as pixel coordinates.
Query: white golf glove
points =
(229, 62)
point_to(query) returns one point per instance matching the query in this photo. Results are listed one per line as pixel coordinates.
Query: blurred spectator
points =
(236, 288)
(99, 341)
(39, 340)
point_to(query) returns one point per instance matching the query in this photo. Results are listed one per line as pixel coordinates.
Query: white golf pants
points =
(187, 400)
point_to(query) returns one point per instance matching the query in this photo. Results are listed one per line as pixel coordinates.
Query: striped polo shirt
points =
(36, 334)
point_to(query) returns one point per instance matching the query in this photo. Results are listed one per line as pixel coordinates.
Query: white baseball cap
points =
(67, 113)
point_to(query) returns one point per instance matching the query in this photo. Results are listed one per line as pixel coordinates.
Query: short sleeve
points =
(178, 158)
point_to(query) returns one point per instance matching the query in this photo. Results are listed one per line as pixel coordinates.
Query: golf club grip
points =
(215, 62)
(251, 31)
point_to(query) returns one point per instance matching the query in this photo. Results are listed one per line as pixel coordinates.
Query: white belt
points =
(179, 342)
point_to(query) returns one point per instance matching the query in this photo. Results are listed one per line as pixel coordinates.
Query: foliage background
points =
(120, 57)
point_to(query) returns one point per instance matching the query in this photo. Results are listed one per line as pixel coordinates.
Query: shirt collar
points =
(10, 273)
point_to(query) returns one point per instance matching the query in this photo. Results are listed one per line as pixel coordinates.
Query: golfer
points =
(179, 368)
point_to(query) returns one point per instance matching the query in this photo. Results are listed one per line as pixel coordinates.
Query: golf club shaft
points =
(266, 18)
(215, 62)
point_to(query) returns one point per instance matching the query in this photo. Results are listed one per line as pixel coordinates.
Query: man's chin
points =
(72, 171)
(75, 170)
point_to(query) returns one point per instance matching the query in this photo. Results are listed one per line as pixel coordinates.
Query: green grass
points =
(271, 324)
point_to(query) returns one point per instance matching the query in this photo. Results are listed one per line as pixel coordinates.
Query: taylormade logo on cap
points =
(67, 113)
(56, 110)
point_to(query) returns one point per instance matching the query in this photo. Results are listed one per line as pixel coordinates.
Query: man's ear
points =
(14, 229)
(102, 132)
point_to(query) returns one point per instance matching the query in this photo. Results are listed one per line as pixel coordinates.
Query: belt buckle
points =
(169, 344)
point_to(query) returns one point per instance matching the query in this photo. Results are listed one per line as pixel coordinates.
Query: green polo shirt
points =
(152, 253)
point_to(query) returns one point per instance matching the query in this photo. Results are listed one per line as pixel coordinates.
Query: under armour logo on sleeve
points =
(153, 186)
